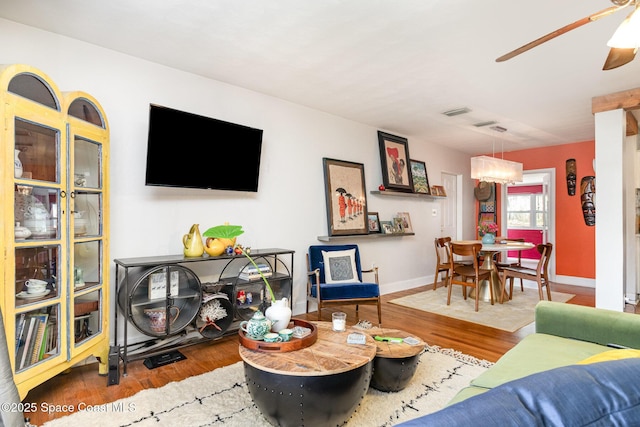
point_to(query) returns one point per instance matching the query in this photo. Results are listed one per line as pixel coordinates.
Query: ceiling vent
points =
(483, 124)
(498, 129)
(457, 112)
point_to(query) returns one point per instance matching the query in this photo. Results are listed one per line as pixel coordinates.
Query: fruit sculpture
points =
(221, 237)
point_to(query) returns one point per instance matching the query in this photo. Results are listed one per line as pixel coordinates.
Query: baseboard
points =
(575, 281)
(389, 288)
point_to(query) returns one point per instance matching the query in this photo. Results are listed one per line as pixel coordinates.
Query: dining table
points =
(489, 250)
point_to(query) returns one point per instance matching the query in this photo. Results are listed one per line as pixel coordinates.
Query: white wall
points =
(289, 209)
(610, 229)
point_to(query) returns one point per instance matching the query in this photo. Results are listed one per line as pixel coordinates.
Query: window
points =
(526, 210)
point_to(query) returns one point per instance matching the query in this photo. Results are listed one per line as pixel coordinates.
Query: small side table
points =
(395, 363)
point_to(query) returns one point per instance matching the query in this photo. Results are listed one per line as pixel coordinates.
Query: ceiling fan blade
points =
(618, 57)
(560, 31)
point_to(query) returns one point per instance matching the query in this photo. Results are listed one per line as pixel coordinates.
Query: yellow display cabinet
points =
(54, 227)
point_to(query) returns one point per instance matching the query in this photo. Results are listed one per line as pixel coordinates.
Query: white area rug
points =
(220, 398)
(510, 316)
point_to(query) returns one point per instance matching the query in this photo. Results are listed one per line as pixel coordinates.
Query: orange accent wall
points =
(575, 244)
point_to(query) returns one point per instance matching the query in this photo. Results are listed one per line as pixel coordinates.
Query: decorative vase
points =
(588, 199)
(158, 317)
(192, 242)
(489, 238)
(279, 313)
(17, 164)
(571, 176)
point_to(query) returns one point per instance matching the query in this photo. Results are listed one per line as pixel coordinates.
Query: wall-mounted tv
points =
(189, 150)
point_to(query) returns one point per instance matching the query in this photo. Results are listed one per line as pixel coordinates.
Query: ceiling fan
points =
(624, 43)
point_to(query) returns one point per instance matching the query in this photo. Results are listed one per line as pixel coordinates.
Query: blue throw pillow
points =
(601, 394)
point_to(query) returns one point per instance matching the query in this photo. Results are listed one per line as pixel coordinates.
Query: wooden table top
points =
(499, 247)
(329, 355)
(395, 350)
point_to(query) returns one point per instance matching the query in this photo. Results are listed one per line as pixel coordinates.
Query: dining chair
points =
(335, 277)
(443, 255)
(540, 274)
(500, 265)
(467, 272)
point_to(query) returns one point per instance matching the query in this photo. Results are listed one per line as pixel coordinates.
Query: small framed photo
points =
(386, 227)
(406, 222)
(438, 190)
(419, 177)
(398, 225)
(394, 157)
(374, 222)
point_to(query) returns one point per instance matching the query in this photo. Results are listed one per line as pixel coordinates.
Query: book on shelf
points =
(28, 339)
(19, 330)
(38, 341)
(254, 276)
(45, 342)
(251, 269)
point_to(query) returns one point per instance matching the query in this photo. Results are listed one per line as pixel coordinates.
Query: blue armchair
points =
(335, 271)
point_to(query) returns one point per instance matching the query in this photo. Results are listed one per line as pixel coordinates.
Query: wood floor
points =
(84, 385)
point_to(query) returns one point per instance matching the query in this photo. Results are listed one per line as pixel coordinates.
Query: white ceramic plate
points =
(26, 295)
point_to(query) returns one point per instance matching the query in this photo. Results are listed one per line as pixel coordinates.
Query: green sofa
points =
(565, 334)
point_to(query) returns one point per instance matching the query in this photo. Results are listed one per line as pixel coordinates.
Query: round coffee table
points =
(395, 362)
(318, 385)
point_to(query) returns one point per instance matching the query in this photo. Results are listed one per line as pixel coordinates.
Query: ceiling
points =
(394, 65)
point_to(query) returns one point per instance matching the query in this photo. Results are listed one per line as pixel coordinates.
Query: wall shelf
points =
(401, 194)
(363, 236)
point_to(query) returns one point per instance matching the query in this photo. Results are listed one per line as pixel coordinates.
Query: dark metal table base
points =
(393, 374)
(290, 400)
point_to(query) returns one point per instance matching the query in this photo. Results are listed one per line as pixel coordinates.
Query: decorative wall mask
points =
(571, 176)
(588, 199)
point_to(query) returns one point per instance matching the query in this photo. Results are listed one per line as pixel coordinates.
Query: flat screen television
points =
(193, 151)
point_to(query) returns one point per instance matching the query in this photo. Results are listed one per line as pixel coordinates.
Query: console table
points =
(318, 385)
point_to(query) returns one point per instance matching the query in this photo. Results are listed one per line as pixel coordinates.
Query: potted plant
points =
(488, 230)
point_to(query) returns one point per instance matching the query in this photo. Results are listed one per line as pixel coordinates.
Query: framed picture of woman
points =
(394, 157)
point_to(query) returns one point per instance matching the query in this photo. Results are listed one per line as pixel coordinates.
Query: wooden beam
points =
(632, 124)
(627, 100)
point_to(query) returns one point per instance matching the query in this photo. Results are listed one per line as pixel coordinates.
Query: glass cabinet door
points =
(86, 221)
(37, 262)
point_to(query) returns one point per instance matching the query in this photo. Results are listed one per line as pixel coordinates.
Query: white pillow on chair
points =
(340, 266)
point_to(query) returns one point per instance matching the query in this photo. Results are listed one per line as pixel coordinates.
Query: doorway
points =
(528, 211)
(451, 222)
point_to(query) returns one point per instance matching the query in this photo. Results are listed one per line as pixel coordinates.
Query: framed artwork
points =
(438, 190)
(374, 222)
(398, 225)
(158, 284)
(346, 197)
(394, 157)
(406, 222)
(419, 177)
(386, 227)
